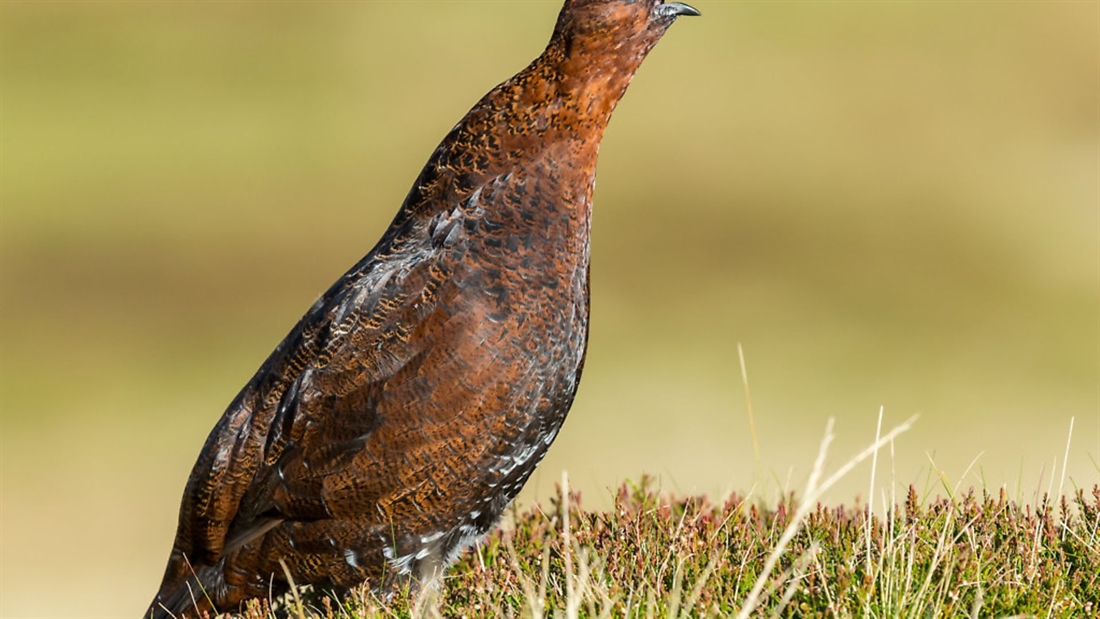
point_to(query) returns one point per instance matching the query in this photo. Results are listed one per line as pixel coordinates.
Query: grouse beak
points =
(676, 9)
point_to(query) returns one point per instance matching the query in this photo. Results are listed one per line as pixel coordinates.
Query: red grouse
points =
(396, 421)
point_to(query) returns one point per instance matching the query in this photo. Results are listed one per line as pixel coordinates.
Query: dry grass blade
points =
(534, 600)
(871, 490)
(976, 607)
(813, 493)
(1065, 461)
(299, 610)
(748, 403)
(794, 575)
(571, 602)
(697, 590)
(677, 590)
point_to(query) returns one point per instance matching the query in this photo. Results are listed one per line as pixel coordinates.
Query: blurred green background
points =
(888, 204)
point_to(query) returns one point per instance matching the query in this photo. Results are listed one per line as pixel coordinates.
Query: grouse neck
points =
(554, 101)
(590, 84)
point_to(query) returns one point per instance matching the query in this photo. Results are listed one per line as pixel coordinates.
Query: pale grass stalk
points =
(893, 476)
(966, 473)
(795, 575)
(697, 590)
(882, 575)
(570, 599)
(580, 588)
(587, 584)
(740, 571)
(739, 510)
(938, 554)
(191, 591)
(945, 581)
(1065, 461)
(1053, 598)
(544, 578)
(672, 550)
(911, 552)
(774, 585)
(828, 595)
(426, 603)
(677, 587)
(1090, 544)
(298, 609)
(813, 494)
(976, 607)
(1033, 568)
(819, 463)
(898, 573)
(871, 499)
(534, 603)
(434, 612)
(172, 614)
(477, 553)
(608, 601)
(628, 605)
(793, 572)
(979, 597)
(941, 554)
(940, 475)
(748, 404)
(889, 541)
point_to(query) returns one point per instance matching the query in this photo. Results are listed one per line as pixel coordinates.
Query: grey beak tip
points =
(679, 8)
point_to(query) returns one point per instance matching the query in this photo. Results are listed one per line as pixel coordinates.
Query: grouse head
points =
(598, 45)
(601, 28)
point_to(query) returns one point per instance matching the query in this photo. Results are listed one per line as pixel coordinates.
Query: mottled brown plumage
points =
(411, 403)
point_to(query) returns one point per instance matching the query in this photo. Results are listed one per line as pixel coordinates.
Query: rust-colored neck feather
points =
(575, 84)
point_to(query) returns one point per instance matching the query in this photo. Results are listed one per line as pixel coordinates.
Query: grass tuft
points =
(654, 555)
